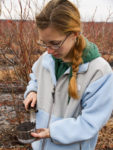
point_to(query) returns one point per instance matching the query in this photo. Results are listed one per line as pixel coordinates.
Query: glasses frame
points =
(55, 47)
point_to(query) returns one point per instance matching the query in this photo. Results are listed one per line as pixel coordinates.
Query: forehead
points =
(49, 34)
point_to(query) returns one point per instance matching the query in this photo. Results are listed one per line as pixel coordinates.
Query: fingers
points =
(41, 133)
(35, 135)
(26, 103)
(30, 100)
(38, 135)
(33, 102)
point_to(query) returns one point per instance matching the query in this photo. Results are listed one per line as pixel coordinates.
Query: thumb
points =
(40, 133)
(34, 134)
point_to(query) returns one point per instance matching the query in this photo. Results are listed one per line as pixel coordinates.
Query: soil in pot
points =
(24, 132)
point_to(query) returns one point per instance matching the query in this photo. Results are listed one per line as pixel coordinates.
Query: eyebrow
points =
(55, 41)
(51, 41)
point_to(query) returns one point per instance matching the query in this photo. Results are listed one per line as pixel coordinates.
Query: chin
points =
(67, 59)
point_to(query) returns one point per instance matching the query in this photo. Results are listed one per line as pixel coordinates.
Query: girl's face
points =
(57, 44)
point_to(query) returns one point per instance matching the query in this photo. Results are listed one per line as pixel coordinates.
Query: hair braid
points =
(77, 60)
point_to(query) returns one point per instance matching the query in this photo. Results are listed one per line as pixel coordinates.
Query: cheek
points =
(66, 49)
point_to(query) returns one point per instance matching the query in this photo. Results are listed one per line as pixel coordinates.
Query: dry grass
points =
(105, 139)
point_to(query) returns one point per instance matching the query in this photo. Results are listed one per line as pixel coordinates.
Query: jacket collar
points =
(49, 64)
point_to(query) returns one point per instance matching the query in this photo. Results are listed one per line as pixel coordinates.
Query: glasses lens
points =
(55, 47)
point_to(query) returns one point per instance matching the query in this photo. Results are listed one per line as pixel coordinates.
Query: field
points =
(18, 51)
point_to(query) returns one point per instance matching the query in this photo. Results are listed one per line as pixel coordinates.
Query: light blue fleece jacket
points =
(76, 125)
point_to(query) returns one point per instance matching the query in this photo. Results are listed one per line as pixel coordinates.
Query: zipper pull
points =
(53, 94)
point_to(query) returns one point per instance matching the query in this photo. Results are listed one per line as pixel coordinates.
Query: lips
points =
(55, 55)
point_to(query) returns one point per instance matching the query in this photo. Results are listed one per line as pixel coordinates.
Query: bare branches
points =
(21, 9)
(110, 16)
(9, 10)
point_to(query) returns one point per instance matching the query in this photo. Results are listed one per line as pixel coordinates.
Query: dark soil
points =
(26, 126)
(24, 132)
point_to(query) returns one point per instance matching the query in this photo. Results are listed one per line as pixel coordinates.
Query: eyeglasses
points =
(53, 46)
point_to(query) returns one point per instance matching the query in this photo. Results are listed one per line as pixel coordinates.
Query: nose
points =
(50, 51)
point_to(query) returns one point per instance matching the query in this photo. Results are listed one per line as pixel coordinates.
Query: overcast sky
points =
(98, 10)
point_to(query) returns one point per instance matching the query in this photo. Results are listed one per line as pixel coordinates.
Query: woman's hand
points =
(41, 133)
(30, 100)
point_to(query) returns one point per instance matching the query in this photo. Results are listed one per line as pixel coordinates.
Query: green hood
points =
(89, 53)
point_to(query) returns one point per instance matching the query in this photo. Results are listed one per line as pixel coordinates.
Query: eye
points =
(55, 42)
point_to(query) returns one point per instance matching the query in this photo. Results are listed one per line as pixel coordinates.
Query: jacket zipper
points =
(51, 108)
(80, 147)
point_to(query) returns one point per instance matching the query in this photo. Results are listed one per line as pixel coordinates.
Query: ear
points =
(74, 35)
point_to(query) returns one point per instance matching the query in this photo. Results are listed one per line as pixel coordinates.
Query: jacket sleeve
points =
(97, 106)
(32, 85)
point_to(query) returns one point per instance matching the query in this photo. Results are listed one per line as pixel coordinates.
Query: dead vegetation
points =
(16, 65)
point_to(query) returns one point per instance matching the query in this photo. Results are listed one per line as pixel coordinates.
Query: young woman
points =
(70, 83)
